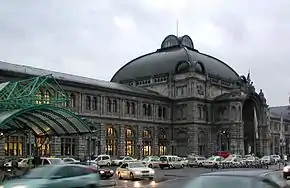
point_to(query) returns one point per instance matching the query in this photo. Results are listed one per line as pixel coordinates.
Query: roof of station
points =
(28, 70)
(176, 54)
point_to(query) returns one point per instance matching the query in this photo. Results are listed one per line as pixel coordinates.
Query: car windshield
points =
(163, 158)
(136, 165)
(55, 161)
(219, 182)
(39, 173)
(266, 157)
(251, 158)
(146, 159)
(121, 158)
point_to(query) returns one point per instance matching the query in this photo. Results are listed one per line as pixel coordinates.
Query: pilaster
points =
(102, 139)
(121, 140)
(192, 140)
(155, 149)
(81, 147)
(139, 144)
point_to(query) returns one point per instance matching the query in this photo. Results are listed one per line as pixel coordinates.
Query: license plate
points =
(145, 175)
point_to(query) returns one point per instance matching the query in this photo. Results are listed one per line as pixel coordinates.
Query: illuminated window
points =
(162, 150)
(129, 148)
(147, 148)
(111, 147)
(13, 146)
(110, 131)
(129, 133)
(44, 146)
(47, 97)
(147, 134)
(38, 97)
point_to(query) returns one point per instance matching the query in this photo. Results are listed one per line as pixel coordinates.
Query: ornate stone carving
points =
(199, 89)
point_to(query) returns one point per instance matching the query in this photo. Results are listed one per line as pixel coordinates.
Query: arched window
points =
(88, 103)
(109, 105)
(95, 103)
(133, 108)
(164, 112)
(159, 111)
(145, 110)
(72, 100)
(147, 134)
(115, 107)
(149, 110)
(127, 108)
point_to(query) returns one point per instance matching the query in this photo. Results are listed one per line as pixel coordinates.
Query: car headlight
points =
(19, 186)
(151, 171)
(111, 171)
(102, 172)
(285, 169)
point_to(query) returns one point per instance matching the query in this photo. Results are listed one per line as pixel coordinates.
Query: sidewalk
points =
(276, 167)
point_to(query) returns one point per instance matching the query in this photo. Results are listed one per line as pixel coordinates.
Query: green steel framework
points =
(36, 105)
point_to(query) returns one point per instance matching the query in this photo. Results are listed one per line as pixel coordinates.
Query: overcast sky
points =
(95, 38)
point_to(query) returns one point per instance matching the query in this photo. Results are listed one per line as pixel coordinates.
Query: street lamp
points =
(221, 133)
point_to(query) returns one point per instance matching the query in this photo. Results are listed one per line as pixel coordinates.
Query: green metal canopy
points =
(34, 104)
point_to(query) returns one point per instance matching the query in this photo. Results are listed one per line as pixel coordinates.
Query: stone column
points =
(121, 140)
(240, 144)
(55, 145)
(81, 146)
(192, 140)
(155, 141)
(139, 144)
(102, 138)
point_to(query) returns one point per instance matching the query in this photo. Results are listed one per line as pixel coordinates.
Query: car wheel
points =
(199, 165)
(108, 164)
(119, 176)
(284, 176)
(150, 166)
(182, 166)
(150, 178)
(132, 177)
(162, 167)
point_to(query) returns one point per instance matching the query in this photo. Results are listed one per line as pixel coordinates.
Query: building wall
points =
(189, 122)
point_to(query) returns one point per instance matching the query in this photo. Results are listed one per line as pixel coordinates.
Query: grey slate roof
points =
(164, 61)
(73, 78)
(275, 112)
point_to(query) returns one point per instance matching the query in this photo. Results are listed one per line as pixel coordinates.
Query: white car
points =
(196, 161)
(121, 160)
(134, 170)
(212, 161)
(151, 162)
(266, 160)
(70, 160)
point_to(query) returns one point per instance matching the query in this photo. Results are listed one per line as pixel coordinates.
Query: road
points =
(171, 178)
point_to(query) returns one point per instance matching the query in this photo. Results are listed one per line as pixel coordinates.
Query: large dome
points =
(175, 55)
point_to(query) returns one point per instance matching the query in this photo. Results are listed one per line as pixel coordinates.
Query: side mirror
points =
(55, 177)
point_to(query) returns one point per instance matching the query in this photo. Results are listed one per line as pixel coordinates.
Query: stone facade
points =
(188, 112)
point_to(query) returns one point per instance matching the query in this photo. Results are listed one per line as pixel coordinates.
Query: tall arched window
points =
(109, 105)
(95, 103)
(149, 108)
(129, 147)
(127, 108)
(111, 141)
(159, 111)
(88, 103)
(144, 109)
(133, 108)
(38, 97)
(115, 107)
(72, 100)
(164, 112)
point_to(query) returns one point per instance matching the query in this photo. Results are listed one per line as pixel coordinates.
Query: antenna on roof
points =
(177, 28)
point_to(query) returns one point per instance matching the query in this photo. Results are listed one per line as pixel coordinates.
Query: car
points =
(58, 176)
(151, 161)
(70, 160)
(196, 161)
(105, 173)
(213, 161)
(286, 171)
(121, 160)
(239, 179)
(134, 170)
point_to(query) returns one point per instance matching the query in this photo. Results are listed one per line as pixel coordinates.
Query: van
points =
(103, 160)
(170, 161)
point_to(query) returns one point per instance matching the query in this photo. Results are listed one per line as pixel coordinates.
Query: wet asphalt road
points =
(170, 178)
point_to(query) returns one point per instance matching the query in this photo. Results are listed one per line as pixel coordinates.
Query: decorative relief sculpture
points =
(200, 89)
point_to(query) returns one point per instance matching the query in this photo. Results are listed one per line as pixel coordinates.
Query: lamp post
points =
(221, 133)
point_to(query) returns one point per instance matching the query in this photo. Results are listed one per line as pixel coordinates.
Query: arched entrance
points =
(248, 115)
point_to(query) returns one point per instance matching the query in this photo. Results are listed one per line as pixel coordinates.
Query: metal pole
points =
(220, 140)
(90, 146)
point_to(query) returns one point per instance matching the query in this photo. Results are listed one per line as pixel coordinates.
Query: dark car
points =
(239, 179)
(104, 172)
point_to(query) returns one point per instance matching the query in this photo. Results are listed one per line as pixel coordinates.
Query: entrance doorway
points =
(249, 126)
